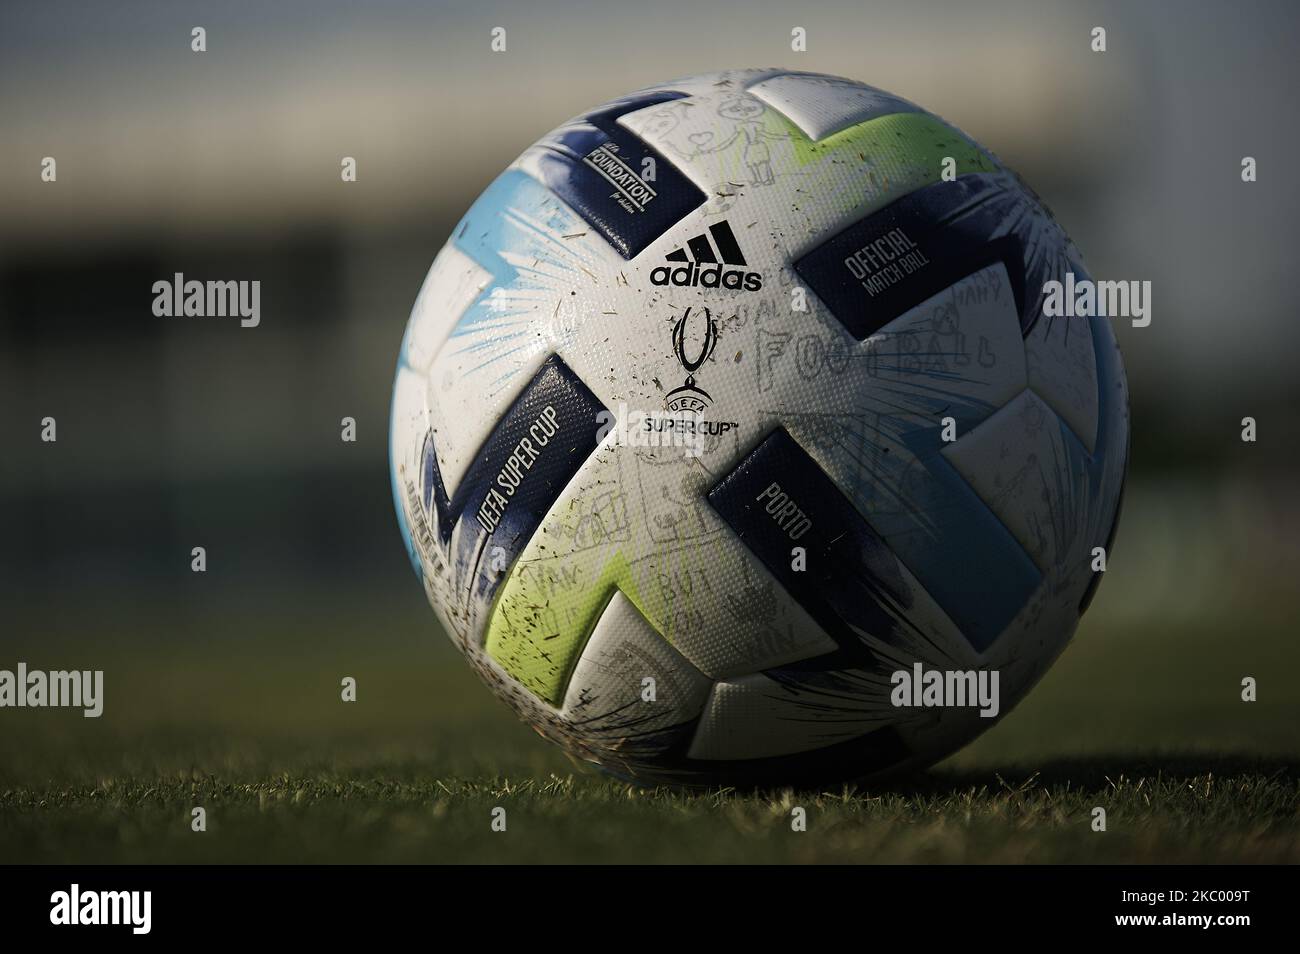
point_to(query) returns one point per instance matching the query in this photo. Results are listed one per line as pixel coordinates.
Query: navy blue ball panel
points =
(896, 258)
(596, 167)
(778, 498)
(518, 474)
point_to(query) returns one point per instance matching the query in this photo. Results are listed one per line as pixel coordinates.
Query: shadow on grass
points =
(1091, 773)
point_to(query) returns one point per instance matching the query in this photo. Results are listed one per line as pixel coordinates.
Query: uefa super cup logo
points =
(690, 396)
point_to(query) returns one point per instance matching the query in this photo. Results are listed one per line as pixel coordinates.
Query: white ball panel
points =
(454, 282)
(1062, 370)
(755, 717)
(823, 105)
(1019, 464)
(607, 687)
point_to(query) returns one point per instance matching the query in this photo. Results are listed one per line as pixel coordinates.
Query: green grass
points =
(358, 808)
(1144, 721)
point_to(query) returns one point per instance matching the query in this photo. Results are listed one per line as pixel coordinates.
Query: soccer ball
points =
(731, 444)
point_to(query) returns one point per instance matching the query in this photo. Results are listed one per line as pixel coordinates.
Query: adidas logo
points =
(704, 263)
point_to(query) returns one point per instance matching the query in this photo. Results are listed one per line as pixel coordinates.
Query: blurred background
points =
(181, 433)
